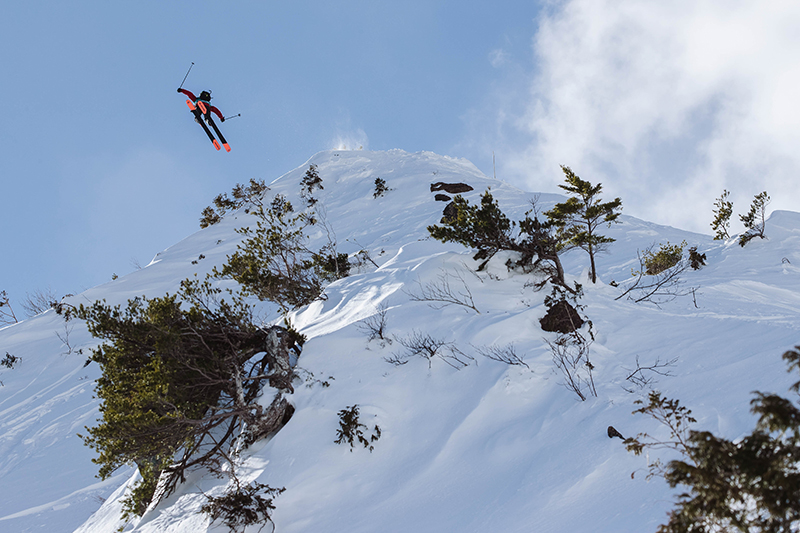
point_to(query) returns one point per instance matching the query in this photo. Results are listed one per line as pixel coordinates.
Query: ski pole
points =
(187, 75)
(233, 116)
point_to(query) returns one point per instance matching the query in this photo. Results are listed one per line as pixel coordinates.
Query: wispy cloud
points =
(666, 103)
(498, 57)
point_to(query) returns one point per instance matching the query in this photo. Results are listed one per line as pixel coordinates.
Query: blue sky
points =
(101, 165)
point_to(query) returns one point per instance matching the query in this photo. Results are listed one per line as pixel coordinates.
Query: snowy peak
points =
(468, 442)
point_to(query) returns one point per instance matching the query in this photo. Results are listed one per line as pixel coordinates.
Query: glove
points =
(179, 90)
(222, 119)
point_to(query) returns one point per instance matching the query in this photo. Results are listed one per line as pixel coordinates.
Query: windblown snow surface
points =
(486, 448)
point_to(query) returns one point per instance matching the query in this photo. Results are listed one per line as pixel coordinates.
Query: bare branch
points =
(375, 325)
(7, 315)
(658, 288)
(571, 356)
(641, 380)
(40, 301)
(507, 354)
(428, 347)
(439, 293)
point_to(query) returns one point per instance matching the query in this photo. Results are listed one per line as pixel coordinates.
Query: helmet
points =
(205, 95)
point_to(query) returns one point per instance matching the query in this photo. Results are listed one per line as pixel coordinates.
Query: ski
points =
(199, 117)
(219, 134)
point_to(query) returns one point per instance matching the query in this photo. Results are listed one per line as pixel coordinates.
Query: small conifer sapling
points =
(723, 209)
(755, 219)
(579, 218)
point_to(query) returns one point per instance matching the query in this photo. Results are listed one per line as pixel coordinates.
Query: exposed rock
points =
(452, 188)
(282, 354)
(612, 432)
(449, 213)
(268, 421)
(562, 317)
(442, 198)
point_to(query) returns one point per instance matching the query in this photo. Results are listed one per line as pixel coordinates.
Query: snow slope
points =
(488, 447)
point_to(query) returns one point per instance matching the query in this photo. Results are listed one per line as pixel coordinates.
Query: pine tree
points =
(751, 484)
(579, 218)
(273, 262)
(309, 183)
(241, 195)
(488, 230)
(181, 376)
(722, 216)
(755, 219)
(485, 228)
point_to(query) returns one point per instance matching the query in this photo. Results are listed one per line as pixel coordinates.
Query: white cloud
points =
(667, 103)
(498, 57)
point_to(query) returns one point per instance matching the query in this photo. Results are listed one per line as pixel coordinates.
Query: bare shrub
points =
(419, 344)
(506, 354)
(455, 357)
(39, 301)
(375, 325)
(422, 345)
(662, 285)
(440, 293)
(7, 315)
(64, 338)
(571, 357)
(644, 376)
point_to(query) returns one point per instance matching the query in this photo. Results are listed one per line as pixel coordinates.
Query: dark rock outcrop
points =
(612, 432)
(452, 188)
(562, 317)
(449, 213)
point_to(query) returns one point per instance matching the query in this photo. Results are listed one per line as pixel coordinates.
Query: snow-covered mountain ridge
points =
(488, 447)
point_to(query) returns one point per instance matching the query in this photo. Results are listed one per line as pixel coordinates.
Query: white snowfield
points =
(485, 448)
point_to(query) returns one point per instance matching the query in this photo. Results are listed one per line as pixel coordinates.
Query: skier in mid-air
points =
(201, 108)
